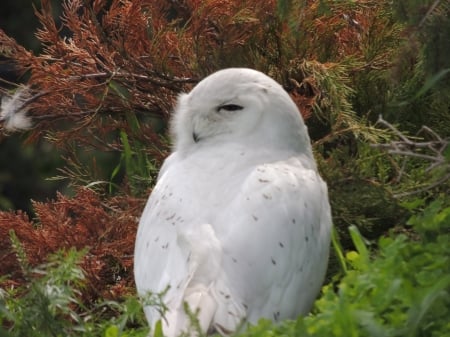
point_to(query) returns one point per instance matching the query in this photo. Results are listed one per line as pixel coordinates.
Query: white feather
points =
(238, 224)
(13, 112)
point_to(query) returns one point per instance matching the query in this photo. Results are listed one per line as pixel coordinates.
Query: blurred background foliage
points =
(104, 76)
(24, 167)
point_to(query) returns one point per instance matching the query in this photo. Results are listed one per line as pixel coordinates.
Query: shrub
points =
(402, 291)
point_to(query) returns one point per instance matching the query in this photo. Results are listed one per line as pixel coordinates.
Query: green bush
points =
(50, 303)
(402, 291)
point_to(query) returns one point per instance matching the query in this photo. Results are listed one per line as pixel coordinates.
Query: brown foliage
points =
(85, 221)
(110, 58)
(112, 62)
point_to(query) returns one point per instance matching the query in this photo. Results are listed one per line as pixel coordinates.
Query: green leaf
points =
(127, 152)
(419, 310)
(112, 331)
(120, 90)
(338, 249)
(116, 169)
(133, 122)
(413, 204)
(358, 241)
(431, 82)
(158, 330)
(19, 250)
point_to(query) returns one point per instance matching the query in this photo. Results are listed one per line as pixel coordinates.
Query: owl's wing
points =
(174, 255)
(275, 239)
(155, 253)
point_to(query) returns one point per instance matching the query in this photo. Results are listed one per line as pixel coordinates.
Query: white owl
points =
(238, 224)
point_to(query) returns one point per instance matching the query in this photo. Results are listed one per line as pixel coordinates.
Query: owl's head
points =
(239, 105)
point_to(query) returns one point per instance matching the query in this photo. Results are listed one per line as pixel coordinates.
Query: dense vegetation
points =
(372, 80)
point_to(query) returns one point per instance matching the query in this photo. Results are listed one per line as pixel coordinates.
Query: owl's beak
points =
(195, 137)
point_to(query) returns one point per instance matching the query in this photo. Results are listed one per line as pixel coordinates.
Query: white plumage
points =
(13, 110)
(238, 224)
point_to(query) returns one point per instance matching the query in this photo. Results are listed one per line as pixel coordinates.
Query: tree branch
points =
(431, 151)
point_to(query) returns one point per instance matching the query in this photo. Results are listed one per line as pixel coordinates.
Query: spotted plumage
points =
(238, 224)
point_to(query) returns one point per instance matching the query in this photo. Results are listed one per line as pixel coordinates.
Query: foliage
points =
(23, 171)
(85, 221)
(51, 302)
(422, 91)
(432, 148)
(108, 76)
(402, 291)
(101, 89)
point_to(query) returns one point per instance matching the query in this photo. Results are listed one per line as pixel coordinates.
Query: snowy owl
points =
(238, 224)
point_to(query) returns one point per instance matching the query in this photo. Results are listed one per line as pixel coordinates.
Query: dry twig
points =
(432, 151)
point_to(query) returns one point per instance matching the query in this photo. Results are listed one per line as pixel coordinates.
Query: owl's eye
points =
(229, 107)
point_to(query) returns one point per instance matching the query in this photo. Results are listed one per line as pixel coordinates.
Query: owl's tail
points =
(202, 314)
(194, 316)
(195, 308)
(205, 304)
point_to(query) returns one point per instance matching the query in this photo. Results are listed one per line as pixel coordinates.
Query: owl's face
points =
(237, 105)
